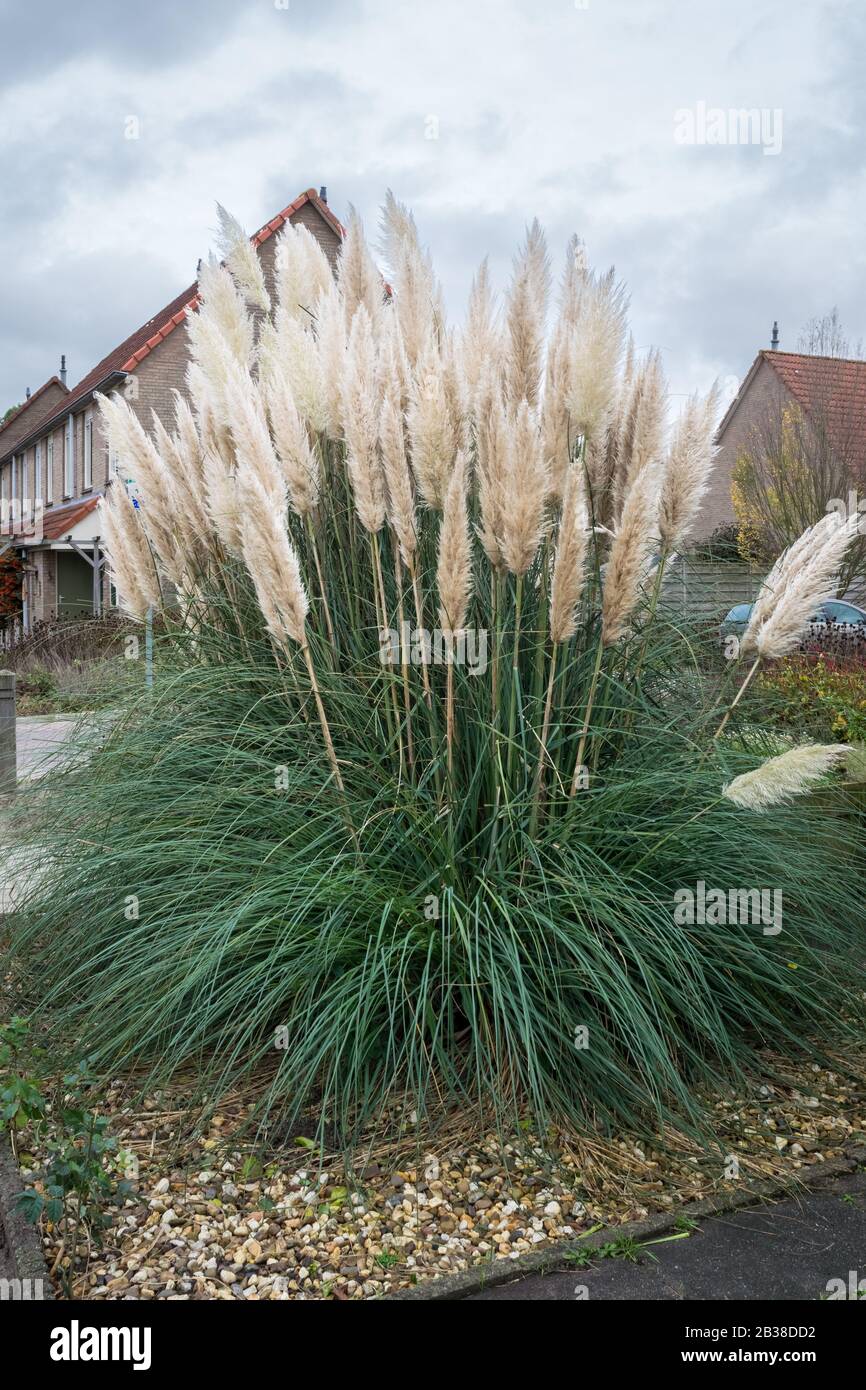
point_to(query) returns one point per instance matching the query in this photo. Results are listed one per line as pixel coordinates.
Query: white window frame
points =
(88, 451)
(49, 470)
(38, 494)
(69, 457)
(25, 490)
(14, 480)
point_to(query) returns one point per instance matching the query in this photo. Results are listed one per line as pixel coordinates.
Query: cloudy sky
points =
(481, 115)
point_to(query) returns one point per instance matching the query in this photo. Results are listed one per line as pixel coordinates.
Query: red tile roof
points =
(126, 357)
(834, 388)
(25, 405)
(57, 522)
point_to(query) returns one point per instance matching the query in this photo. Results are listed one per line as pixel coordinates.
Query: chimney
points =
(323, 193)
(774, 341)
(63, 369)
(27, 394)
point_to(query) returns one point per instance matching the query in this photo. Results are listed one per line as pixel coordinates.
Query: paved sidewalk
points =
(40, 742)
(43, 742)
(787, 1250)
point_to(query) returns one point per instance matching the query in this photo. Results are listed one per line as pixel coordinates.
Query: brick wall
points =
(42, 405)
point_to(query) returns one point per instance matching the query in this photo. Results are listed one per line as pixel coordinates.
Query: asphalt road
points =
(787, 1250)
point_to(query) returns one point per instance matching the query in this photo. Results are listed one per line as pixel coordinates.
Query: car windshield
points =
(838, 612)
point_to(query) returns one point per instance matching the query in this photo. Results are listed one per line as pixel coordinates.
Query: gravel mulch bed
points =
(209, 1219)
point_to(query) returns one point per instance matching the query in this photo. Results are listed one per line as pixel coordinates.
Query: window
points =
(38, 489)
(49, 469)
(68, 459)
(14, 479)
(88, 450)
(25, 487)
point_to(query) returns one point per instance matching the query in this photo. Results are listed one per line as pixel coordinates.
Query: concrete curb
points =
(20, 1246)
(455, 1286)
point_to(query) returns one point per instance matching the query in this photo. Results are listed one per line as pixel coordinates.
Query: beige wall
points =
(764, 395)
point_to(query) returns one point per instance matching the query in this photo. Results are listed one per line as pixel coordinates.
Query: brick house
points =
(52, 448)
(832, 388)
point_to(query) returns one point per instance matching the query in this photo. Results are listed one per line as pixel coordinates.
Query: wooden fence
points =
(706, 590)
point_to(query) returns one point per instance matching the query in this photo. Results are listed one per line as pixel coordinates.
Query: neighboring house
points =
(834, 387)
(53, 450)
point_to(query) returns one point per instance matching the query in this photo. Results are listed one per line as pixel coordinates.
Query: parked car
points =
(833, 617)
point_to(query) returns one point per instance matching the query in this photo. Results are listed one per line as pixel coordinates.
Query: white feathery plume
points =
(361, 423)
(331, 352)
(481, 338)
(248, 421)
(223, 502)
(495, 444)
(688, 469)
(417, 295)
(273, 564)
(554, 410)
(555, 420)
(526, 313)
(781, 779)
(569, 565)
(298, 460)
(574, 280)
(789, 563)
(130, 561)
(220, 336)
(527, 485)
(359, 280)
(397, 228)
(398, 479)
(394, 374)
(623, 424)
(456, 393)
(190, 540)
(798, 586)
(160, 513)
(431, 430)
(301, 273)
(594, 350)
(241, 257)
(454, 568)
(210, 413)
(289, 357)
(647, 445)
(629, 554)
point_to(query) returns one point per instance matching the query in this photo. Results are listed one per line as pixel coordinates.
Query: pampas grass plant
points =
(332, 819)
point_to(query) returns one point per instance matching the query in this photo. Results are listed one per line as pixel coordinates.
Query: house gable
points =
(761, 391)
(30, 414)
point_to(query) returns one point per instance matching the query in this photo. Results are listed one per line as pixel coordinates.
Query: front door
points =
(74, 586)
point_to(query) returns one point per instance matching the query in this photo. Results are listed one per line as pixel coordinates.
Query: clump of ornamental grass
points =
(425, 761)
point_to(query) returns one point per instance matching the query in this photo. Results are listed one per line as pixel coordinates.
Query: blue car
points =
(834, 613)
